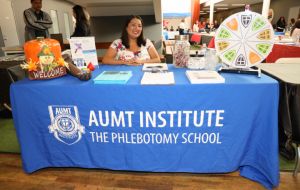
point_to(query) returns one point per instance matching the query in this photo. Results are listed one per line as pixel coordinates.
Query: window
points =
(67, 25)
(55, 27)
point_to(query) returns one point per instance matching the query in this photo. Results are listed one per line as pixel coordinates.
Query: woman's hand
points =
(138, 61)
(133, 62)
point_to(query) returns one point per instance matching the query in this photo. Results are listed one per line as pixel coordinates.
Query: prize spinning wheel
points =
(244, 40)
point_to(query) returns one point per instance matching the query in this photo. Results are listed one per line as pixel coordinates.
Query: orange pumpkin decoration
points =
(34, 47)
(43, 59)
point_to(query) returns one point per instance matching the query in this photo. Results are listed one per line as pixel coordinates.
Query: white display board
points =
(83, 50)
(244, 39)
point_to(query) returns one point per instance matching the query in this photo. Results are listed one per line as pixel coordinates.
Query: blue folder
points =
(113, 77)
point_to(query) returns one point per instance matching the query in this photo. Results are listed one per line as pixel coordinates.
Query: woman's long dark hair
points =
(297, 25)
(279, 21)
(81, 15)
(140, 40)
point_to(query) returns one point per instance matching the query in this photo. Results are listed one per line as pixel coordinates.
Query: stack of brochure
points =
(155, 67)
(200, 77)
(113, 77)
(157, 74)
(159, 78)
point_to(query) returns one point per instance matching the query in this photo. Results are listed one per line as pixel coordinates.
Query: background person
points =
(196, 26)
(37, 22)
(281, 24)
(292, 24)
(82, 25)
(216, 24)
(295, 32)
(182, 27)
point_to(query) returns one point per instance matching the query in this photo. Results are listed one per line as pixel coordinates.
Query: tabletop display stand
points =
(251, 71)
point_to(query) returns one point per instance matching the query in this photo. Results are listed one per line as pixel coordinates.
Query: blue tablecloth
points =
(206, 128)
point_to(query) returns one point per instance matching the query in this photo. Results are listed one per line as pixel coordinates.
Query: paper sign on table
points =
(83, 50)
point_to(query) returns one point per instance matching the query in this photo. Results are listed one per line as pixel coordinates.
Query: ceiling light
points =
(203, 1)
(221, 5)
(237, 5)
(212, 1)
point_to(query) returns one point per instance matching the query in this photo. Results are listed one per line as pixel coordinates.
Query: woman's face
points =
(134, 28)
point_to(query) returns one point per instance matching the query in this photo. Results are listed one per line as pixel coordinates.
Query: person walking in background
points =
(181, 27)
(292, 23)
(37, 22)
(281, 24)
(82, 25)
(207, 24)
(196, 26)
(201, 26)
(216, 25)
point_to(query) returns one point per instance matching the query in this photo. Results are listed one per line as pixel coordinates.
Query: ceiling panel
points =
(88, 3)
(121, 7)
(228, 4)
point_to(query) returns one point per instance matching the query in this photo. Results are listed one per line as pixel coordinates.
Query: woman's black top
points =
(82, 29)
(280, 26)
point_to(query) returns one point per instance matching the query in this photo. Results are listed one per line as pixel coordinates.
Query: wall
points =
(1, 39)
(61, 6)
(1, 43)
(109, 28)
(282, 7)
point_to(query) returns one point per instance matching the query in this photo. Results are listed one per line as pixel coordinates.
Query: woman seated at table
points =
(132, 48)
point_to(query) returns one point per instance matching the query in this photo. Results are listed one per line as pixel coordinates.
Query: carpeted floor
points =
(9, 143)
(8, 138)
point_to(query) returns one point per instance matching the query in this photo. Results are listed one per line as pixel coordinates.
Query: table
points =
(289, 104)
(171, 34)
(204, 37)
(13, 50)
(208, 128)
(9, 73)
(281, 50)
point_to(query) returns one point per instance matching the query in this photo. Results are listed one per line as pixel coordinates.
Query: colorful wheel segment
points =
(244, 39)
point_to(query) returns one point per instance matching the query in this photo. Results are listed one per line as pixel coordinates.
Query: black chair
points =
(59, 38)
(14, 73)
